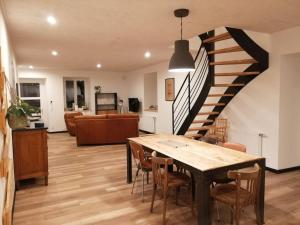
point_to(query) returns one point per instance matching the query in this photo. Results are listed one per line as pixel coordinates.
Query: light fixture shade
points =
(181, 60)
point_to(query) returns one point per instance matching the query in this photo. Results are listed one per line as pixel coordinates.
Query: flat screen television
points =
(134, 104)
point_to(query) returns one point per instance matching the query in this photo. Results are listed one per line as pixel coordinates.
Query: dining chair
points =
(243, 192)
(142, 163)
(235, 146)
(222, 177)
(219, 130)
(167, 180)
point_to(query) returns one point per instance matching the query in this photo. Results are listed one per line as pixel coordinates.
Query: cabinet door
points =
(30, 153)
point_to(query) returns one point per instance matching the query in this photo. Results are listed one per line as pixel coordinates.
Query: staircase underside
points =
(220, 92)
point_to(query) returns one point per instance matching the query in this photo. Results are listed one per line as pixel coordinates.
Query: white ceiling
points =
(116, 33)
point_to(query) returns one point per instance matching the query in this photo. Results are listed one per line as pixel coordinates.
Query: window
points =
(30, 93)
(30, 90)
(75, 93)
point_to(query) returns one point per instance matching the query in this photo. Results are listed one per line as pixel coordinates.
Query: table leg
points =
(261, 194)
(129, 164)
(203, 199)
(46, 180)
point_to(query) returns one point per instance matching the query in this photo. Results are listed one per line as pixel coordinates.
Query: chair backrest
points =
(221, 122)
(235, 146)
(251, 176)
(221, 126)
(137, 152)
(160, 169)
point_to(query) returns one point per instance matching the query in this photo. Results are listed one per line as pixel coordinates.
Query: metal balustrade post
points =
(173, 128)
(211, 58)
(189, 92)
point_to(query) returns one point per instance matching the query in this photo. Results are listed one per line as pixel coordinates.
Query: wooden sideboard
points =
(30, 154)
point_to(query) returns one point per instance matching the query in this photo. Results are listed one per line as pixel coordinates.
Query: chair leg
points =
(218, 211)
(256, 214)
(165, 206)
(143, 180)
(176, 194)
(237, 216)
(231, 215)
(147, 177)
(136, 174)
(153, 197)
(191, 199)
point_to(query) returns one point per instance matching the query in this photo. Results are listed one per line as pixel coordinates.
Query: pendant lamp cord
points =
(181, 28)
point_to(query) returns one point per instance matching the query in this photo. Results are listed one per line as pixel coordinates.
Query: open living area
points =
(149, 112)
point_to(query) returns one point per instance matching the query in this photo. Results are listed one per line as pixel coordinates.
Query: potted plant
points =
(18, 113)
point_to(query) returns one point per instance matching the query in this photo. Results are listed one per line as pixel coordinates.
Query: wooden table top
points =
(200, 155)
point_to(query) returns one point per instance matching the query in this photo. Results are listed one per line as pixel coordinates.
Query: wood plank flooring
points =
(87, 186)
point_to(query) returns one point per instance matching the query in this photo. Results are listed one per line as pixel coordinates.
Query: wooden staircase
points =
(221, 93)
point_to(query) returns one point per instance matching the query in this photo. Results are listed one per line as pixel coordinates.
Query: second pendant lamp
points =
(181, 60)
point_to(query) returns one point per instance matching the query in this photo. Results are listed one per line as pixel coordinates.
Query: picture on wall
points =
(169, 89)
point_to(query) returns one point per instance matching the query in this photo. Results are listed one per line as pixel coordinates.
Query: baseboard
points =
(56, 132)
(146, 132)
(283, 170)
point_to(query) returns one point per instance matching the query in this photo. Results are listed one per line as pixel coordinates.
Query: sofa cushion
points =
(123, 115)
(103, 116)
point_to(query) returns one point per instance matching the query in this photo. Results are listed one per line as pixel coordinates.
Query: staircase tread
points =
(229, 85)
(220, 95)
(219, 37)
(203, 121)
(226, 50)
(207, 113)
(214, 104)
(236, 74)
(233, 62)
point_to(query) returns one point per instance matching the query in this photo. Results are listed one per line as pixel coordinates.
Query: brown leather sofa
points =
(106, 129)
(70, 121)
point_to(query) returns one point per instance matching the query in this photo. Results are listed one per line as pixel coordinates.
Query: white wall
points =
(284, 43)
(289, 135)
(109, 81)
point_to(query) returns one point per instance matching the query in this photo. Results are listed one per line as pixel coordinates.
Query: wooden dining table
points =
(204, 161)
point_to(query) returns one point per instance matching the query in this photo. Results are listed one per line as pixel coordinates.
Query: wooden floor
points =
(87, 185)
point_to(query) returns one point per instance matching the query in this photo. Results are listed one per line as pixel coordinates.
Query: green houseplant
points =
(18, 112)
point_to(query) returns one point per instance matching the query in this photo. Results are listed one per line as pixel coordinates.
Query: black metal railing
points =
(190, 90)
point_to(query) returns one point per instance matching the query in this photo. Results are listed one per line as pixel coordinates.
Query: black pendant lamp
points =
(181, 60)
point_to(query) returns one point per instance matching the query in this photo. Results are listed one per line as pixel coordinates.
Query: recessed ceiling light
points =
(30, 67)
(51, 20)
(98, 65)
(147, 54)
(55, 53)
